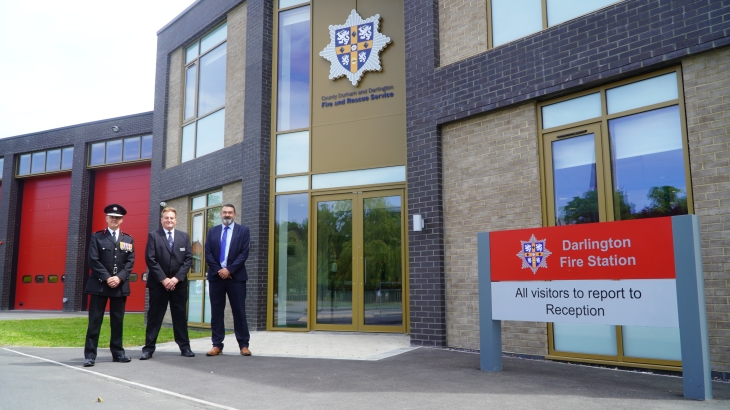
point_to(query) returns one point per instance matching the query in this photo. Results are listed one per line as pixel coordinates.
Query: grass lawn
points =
(71, 332)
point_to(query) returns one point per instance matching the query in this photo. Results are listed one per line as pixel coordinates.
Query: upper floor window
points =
(512, 19)
(292, 98)
(617, 153)
(120, 150)
(205, 95)
(42, 162)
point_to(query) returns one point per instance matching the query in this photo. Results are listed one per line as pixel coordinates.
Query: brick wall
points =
(235, 75)
(707, 99)
(174, 109)
(462, 29)
(491, 182)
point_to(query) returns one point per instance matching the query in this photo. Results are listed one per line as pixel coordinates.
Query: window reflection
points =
(24, 164)
(334, 262)
(383, 294)
(512, 19)
(212, 81)
(131, 149)
(147, 146)
(648, 165)
(293, 69)
(53, 160)
(67, 158)
(290, 261)
(113, 151)
(38, 162)
(574, 173)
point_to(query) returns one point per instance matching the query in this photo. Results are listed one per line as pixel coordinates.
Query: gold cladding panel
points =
(367, 134)
(359, 144)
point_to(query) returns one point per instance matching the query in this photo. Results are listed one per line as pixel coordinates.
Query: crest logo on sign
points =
(355, 47)
(534, 254)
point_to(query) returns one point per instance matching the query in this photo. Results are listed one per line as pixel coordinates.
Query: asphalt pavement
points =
(423, 378)
(322, 370)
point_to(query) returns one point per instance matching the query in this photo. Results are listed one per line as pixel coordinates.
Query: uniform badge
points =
(125, 246)
(534, 254)
(354, 47)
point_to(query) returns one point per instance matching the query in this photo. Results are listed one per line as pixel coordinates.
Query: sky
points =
(66, 62)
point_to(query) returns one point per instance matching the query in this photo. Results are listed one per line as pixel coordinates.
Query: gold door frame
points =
(358, 318)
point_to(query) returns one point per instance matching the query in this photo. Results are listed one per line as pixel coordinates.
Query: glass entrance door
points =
(358, 262)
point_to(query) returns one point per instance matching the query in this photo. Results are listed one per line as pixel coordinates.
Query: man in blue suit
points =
(226, 251)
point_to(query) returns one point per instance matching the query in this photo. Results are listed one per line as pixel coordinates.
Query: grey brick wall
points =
(707, 99)
(491, 183)
(462, 29)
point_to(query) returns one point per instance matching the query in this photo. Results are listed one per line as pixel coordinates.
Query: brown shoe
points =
(245, 351)
(214, 352)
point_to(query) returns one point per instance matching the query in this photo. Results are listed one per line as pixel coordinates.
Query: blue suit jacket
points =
(237, 253)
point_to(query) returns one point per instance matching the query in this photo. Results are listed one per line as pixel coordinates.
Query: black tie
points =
(169, 239)
(114, 237)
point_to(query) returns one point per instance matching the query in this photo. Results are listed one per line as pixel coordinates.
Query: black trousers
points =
(178, 300)
(236, 291)
(97, 306)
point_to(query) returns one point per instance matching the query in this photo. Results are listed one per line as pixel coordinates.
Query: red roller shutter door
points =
(42, 247)
(128, 186)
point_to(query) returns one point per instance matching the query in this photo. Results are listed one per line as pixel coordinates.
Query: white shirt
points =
(228, 241)
(115, 234)
(173, 233)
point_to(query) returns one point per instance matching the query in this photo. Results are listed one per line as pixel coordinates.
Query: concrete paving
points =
(38, 314)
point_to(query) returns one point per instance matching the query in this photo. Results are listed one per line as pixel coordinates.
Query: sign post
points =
(644, 272)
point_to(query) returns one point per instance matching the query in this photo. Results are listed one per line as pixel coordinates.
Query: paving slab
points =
(313, 345)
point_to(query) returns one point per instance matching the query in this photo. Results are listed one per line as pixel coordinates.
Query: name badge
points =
(125, 246)
(182, 249)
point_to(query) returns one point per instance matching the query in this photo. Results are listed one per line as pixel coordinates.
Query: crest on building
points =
(355, 47)
(534, 254)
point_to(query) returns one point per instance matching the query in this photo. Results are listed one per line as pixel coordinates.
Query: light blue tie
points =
(223, 244)
(169, 240)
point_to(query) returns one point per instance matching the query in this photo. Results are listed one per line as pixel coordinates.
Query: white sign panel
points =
(635, 302)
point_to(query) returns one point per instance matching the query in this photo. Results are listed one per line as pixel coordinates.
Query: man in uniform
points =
(168, 256)
(226, 251)
(111, 257)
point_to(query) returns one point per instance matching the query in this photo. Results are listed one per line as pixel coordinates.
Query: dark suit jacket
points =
(237, 253)
(162, 264)
(104, 256)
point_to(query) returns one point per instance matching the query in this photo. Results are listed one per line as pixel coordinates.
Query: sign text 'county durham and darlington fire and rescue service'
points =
(617, 273)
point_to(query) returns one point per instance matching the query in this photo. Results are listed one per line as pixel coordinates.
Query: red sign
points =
(638, 249)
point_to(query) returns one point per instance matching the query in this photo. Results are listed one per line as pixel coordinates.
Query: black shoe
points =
(187, 353)
(89, 363)
(122, 358)
(145, 356)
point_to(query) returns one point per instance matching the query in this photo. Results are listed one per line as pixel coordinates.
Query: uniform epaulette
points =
(103, 230)
(124, 233)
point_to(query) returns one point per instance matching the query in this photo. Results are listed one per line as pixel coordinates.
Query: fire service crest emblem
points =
(355, 47)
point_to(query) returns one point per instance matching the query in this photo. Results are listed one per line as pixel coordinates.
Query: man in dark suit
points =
(168, 256)
(111, 258)
(226, 251)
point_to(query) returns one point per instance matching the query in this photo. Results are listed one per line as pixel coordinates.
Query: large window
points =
(616, 153)
(44, 162)
(205, 95)
(513, 19)
(120, 150)
(2, 164)
(205, 213)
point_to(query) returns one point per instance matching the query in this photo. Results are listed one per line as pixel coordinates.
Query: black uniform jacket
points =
(162, 264)
(106, 259)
